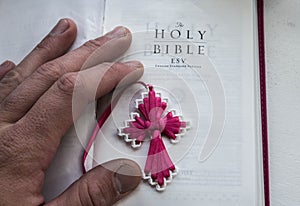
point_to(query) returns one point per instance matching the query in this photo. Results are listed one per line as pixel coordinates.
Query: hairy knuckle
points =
(52, 70)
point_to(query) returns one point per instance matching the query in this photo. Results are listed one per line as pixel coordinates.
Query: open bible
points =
(206, 58)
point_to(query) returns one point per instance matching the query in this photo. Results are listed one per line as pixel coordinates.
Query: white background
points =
(282, 29)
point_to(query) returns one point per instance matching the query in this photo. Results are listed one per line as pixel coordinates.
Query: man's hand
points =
(36, 110)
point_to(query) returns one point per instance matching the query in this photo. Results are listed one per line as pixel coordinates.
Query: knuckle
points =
(11, 102)
(9, 144)
(52, 70)
(46, 45)
(113, 71)
(99, 194)
(68, 82)
(108, 65)
(8, 64)
(13, 77)
(111, 68)
(94, 44)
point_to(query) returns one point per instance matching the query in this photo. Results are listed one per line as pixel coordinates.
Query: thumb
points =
(103, 185)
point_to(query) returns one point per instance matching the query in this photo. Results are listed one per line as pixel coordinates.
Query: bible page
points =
(201, 56)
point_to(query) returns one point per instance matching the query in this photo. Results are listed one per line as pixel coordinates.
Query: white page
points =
(230, 175)
(24, 24)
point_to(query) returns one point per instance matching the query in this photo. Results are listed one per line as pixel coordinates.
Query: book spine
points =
(264, 119)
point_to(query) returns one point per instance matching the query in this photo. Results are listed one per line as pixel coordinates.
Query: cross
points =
(152, 121)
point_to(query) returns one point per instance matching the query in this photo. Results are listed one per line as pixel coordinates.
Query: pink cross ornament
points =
(151, 120)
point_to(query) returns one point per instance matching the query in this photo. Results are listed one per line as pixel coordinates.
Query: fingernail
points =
(134, 64)
(127, 178)
(60, 27)
(117, 32)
